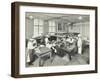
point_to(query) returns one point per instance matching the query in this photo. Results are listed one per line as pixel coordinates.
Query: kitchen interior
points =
(57, 26)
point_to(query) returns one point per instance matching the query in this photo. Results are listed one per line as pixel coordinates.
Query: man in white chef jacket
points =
(31, 46)
(79, 44)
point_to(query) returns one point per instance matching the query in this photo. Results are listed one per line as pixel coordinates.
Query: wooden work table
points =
(42, 52)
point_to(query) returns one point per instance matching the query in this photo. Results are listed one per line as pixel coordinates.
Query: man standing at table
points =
(31, 50)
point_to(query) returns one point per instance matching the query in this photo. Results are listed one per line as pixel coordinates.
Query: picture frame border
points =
(15, 32)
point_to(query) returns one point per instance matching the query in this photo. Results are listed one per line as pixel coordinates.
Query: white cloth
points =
(79, 44)
(30, 44)
(46, 40)
(48, 45)
(70, 40)
(27, 56)
(79, 50)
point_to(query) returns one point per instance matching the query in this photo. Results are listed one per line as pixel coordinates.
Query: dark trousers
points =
(32, 56)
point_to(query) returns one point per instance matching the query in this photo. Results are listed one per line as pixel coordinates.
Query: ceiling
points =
(69, 18)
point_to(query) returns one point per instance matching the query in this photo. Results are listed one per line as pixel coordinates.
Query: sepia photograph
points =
(54, 39)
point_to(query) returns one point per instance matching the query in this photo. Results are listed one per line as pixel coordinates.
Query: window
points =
(38, 27)
(60, 27)
(52, 26)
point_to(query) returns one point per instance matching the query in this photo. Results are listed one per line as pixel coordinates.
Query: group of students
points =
(70, 43)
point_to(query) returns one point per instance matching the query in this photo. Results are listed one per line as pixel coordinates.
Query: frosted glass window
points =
(53, 29)
(36, 22)
(50, 29)
(35, 29)
(38, 27)
(59, 27)
(52, 26)
(52, 23)
(40, 22)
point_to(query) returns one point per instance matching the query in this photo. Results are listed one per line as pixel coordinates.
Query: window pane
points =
(40, 22)
(59, 27)
(53, 29)
(50, 29)
(50, 23)
(53, 23)
(41, 29)
(64, 27)
(35, 21)
(35, 31)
